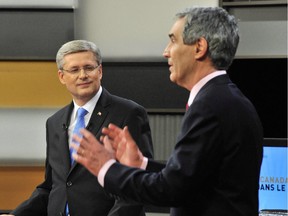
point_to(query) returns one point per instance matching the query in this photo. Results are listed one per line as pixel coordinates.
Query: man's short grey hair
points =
(219, 29)
(76, 46)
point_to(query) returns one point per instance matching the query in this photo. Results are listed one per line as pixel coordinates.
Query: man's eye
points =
(89, 68)
(74, 70)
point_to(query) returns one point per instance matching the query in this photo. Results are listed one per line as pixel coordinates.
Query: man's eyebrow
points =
(171, 35)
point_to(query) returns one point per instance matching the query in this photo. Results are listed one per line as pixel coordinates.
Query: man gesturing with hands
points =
(118, 144)
(215, 165)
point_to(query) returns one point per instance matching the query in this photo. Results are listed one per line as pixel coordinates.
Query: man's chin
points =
(172, 78)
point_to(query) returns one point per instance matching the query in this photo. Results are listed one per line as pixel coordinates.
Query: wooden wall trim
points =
(17, 184)
(31, 84)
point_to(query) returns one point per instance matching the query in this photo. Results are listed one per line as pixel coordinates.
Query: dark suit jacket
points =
(215, 166)
(85, 195)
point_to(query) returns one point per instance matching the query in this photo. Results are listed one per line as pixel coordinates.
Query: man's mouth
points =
(83, 84)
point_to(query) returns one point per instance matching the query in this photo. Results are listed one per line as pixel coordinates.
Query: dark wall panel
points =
(263, 81)
(30, 34)
(147, 83)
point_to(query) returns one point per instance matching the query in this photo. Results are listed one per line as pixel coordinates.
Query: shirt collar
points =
(90, 105)
(196, 88)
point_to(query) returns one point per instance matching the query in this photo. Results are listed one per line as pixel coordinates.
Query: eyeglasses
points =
(87, 69)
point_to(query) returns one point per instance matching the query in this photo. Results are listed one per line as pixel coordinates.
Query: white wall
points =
(37, 3)
(129, 29)
(267, 39)
(263, 31)
(22, 135)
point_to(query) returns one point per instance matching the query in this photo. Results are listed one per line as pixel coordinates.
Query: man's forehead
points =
(177, 28)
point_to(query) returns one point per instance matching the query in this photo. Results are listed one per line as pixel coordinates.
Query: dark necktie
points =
(187, 106)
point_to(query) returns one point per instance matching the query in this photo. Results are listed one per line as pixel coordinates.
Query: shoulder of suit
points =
(62, 111)
(125, 101)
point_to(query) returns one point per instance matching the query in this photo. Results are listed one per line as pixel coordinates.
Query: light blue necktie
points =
(80, 123)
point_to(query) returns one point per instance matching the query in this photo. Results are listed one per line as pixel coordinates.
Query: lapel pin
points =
(99, 113)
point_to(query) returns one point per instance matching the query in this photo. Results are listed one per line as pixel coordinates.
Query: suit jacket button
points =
(69, 183)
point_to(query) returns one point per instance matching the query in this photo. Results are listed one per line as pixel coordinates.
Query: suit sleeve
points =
(169, 185)
(35, 205)
(138, 125)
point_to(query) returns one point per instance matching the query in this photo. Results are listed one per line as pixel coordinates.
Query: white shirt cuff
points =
(103, 171)
(109, 163)
(144, 163)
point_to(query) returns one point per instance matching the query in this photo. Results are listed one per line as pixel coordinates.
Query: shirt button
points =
(69, 183)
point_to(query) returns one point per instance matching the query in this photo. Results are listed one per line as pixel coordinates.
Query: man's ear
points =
(201, 48)
(100, 72)
(60, 76)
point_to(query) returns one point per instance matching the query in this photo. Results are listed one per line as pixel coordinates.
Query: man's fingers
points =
(90, 152)
(128, 136)
(108, 144)
(102, 138)
(76, 148)
(87, 135)
(121, 147)
(112, 131)
(113, 127)
(80, 159)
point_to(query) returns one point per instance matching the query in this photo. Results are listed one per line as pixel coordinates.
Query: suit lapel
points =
(99, 114)
(96, 121)
(63, 137)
